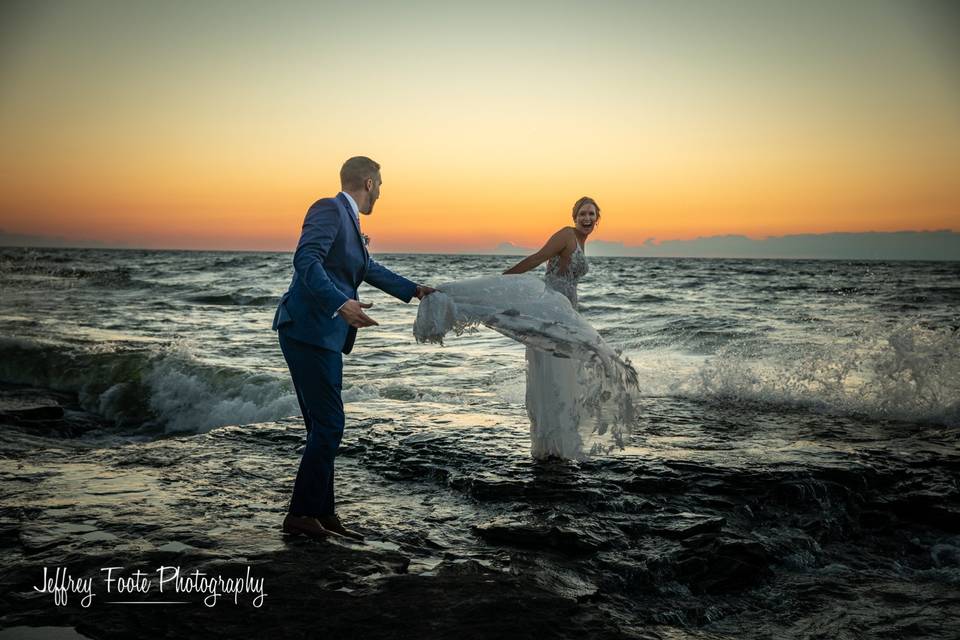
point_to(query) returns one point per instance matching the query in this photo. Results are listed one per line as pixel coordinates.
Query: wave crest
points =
(906, 372)
(162, 385)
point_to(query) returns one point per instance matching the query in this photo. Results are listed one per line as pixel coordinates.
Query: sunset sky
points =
(216, 124)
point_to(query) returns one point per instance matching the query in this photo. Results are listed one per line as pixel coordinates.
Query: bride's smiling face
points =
(586, 218)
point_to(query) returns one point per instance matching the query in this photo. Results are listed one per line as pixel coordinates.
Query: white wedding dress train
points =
(578, 393)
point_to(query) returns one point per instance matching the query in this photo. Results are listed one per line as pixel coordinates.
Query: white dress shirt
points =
(353, 207)
(355, 210)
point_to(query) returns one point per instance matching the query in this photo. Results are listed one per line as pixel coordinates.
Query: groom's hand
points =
(423, 291)
(352, 312)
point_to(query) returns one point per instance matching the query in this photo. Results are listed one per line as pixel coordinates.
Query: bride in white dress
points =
(554, 383)
(579, 389)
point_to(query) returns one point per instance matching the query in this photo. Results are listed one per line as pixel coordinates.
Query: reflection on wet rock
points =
(674, 539)
(561, 534)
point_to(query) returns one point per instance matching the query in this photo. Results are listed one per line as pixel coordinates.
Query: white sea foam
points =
(904, 372)
(199, 400)
(163, 384)
(360, 392)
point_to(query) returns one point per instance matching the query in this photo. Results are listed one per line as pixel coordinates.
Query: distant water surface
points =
(182, 339)
(793, 472)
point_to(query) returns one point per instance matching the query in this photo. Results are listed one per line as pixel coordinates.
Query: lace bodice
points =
(566, 281)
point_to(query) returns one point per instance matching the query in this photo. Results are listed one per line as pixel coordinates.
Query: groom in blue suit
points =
(317, 321)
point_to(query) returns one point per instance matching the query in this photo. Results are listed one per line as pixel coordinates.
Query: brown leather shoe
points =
(297, 525)
(332, 523)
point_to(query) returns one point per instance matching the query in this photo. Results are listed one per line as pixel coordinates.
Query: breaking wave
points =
(908, 372)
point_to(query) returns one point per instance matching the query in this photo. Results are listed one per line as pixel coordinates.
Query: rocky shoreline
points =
(696, 532)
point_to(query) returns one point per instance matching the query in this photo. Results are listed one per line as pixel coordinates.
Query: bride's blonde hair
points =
(582, 201)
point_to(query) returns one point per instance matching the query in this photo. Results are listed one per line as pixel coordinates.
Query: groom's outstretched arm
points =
(320, 228)
(388, 281)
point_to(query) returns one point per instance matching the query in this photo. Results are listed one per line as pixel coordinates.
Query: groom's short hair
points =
(355, 172)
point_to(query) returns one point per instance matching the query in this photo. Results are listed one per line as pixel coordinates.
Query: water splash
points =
(160, 384)
(909, 371)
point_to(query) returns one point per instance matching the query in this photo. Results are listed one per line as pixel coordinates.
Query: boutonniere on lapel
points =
(366, 239)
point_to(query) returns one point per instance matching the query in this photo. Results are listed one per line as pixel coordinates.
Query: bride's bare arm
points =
(553, 247)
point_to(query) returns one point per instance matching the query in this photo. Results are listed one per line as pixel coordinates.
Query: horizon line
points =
(904, 245)
(651, 241)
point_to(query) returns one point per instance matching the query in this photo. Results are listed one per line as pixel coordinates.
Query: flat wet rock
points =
(313, 589)
(28, 404)
(45, 412)
(720, 564)
(562, 534)
(468, 537)
(676, 525)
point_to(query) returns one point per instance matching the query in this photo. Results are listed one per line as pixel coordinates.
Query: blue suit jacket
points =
(330, 263)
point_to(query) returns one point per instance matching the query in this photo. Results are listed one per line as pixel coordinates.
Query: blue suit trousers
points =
(317, 375)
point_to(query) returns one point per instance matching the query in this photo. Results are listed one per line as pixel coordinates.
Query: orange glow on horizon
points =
(421, 217)
(846, 120)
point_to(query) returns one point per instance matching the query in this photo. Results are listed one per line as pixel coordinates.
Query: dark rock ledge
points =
(318, 590)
